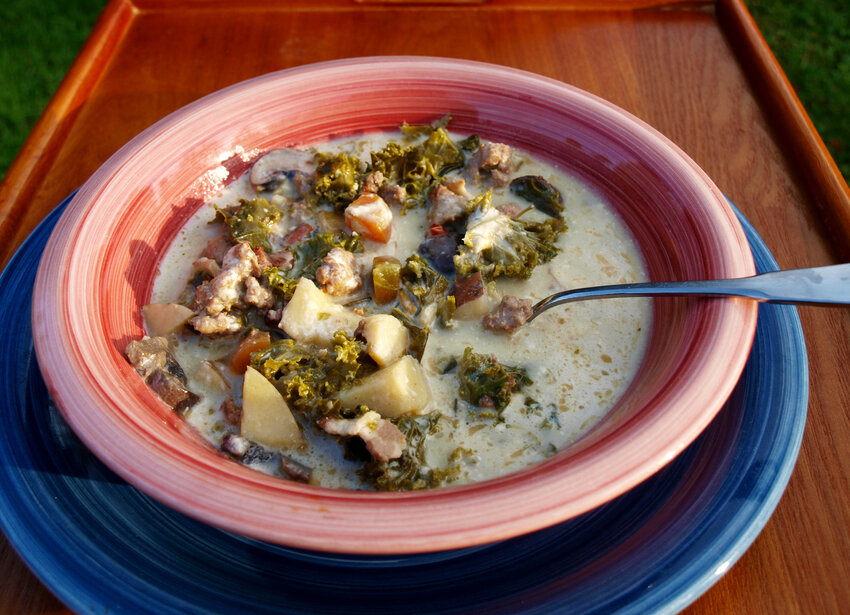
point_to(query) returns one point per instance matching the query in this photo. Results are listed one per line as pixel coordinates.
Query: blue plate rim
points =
(704, 559)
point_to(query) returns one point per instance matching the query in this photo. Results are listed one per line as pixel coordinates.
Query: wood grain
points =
(698, 71)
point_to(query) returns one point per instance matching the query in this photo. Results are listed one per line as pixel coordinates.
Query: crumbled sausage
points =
(393, 194)
(338, 275)
(509, 316)
(224, 323)
(373, 182)
(207, 265)
(383, 439)
(494, 160)
(223, 291)
(445, 205)
(258, 295)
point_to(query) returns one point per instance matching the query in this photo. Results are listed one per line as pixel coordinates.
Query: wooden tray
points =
(699, 72)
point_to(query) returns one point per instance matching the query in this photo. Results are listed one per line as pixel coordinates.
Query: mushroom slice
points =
(280, 163)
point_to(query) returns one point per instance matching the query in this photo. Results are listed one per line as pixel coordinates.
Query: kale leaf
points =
(250, 221)
(500, 245)
(485, 382)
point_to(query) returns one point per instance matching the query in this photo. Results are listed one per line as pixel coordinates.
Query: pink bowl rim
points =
(321, 519)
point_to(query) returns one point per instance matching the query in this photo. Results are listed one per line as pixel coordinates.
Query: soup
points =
(352, 315)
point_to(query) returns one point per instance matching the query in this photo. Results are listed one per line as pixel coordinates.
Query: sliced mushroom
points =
(280, 163)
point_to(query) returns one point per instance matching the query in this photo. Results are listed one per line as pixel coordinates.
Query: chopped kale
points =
(417, 334)
(308, 377)
(422, 281)
(250, 222)
(499, 245)
(408, 472)
(308, 258)
(418, 167)
(310, 252)
(540, 193)
(485, 382)
(339, 178)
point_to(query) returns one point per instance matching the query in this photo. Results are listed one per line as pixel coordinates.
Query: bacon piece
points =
(216, 248)
(383, 439)
(295, 470)
(468, 288)
(235, 445)
(299, 233)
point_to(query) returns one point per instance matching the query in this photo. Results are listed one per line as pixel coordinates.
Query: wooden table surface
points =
(697, 71)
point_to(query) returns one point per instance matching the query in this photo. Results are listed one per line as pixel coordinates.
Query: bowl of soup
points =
(296, 309)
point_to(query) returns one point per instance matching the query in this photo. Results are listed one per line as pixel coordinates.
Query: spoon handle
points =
(814, 285)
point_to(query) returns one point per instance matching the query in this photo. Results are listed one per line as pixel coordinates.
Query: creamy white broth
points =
(580, 357)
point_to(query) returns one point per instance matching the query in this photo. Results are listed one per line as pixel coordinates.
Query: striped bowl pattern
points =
(101, 259)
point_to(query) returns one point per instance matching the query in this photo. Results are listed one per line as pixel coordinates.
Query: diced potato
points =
(210, 375)
(475, 309)
(311, 317)
(330, 221)
(163, 318)
(266, 418)
(400, 388)
(386, 338)
(370, 216)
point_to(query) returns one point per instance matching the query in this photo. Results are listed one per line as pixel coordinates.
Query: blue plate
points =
(104, 547)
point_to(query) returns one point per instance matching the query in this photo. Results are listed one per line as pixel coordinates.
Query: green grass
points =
(811, 40)
(38, 41)
(40, 38)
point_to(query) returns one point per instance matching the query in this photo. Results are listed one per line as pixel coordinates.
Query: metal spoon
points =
(815, 285)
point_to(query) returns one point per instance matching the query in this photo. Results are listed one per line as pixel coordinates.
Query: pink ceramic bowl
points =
(101, 260)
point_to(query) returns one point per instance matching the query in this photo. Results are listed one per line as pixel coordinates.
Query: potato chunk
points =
(400, 388)
(266, 418)
(163, 318)
(311, 317)
(386, 338)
